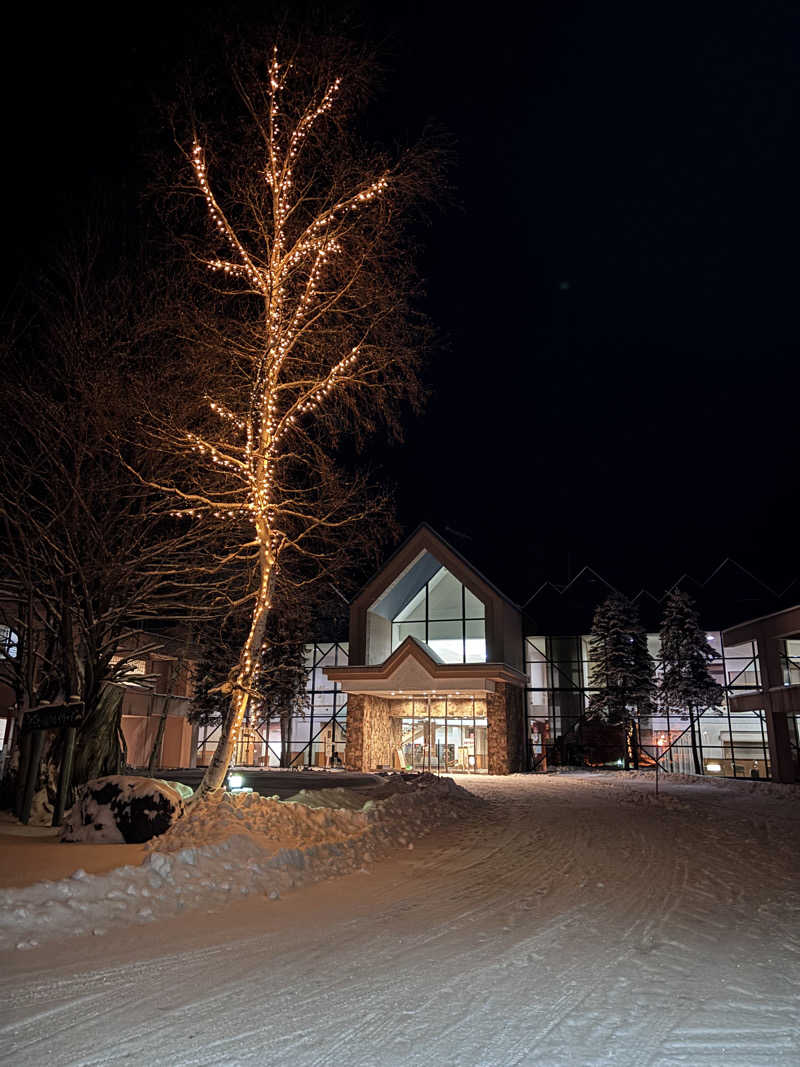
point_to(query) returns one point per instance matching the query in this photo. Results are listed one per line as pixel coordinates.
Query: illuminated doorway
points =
(448, 743)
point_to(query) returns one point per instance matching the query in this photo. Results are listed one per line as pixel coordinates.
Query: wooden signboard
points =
(35, 723)
(52, 716)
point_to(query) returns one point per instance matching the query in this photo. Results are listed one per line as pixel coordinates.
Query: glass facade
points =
(790, 661)
(720, 741)
(443, 734)
(447, 617)
(314, 738)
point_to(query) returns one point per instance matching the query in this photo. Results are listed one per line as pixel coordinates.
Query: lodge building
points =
(445, 673)
(442, 671)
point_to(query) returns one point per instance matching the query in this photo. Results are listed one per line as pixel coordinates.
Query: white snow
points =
(568, 920)
(231, 845)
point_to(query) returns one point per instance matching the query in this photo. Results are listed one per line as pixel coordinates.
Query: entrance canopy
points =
(415, 669)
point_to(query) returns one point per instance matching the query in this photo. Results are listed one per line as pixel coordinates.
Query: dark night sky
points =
(617, 288)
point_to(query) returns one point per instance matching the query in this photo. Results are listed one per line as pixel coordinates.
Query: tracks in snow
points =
(574, 922)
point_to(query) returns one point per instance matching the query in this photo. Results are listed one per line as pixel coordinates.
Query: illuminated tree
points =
(622, 670)
(319, 340)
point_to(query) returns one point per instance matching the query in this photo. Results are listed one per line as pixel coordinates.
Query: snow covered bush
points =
(123, 810)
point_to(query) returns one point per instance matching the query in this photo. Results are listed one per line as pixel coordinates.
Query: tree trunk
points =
(286, 740)
(627, 734)
(162, 723)
(242, 680)
(99, 748)
(635, 744)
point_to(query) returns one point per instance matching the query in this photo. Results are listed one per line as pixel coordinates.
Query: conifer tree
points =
(687, 685)
(622, 670)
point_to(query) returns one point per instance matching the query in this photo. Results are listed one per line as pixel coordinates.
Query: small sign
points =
(52, 716)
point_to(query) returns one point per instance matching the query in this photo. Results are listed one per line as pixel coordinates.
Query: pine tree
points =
(687, 685)
(622, 670)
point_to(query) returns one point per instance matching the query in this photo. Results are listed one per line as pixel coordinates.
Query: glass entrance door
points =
(445, 744)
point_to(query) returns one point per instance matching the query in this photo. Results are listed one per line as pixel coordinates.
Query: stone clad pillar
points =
(505, 725)
(371, 732)
(354, 740)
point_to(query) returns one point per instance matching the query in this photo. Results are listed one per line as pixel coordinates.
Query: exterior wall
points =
(505, 721)
(779, 700)
(379, 638)
(141, 714)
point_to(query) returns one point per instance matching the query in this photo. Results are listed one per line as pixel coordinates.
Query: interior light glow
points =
(235, 781)
(715, 768)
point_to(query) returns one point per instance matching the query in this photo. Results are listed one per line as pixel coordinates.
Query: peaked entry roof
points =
(415, 667)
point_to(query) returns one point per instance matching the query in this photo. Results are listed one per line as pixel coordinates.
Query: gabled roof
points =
(426, 539)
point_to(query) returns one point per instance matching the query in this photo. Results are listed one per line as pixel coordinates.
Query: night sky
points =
(615, 284)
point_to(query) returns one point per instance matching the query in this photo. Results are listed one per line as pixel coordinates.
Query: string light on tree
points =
(304, 237)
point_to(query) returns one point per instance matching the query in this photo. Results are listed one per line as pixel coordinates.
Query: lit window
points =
(447, 617)
(9, 643)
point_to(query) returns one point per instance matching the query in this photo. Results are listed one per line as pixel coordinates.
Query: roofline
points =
(761, 618)
(561, 589)
(659, 599)
(460, 555)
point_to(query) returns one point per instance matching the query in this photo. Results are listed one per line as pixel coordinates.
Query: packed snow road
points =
(575, 920)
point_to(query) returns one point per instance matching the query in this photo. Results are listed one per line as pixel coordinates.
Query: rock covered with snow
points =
(119, 809)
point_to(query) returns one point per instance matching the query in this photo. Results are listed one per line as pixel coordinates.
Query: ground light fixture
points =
(236, 784)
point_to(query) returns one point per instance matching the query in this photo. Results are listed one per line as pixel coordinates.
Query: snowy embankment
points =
(638, 787)
(734, 786)
(228, 847)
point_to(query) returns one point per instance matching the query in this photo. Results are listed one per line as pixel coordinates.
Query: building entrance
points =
(453, 742)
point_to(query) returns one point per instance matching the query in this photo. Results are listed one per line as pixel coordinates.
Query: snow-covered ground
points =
(568, 920)
(225, 848)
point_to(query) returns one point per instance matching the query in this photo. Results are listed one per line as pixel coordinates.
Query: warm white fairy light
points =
(290, 277)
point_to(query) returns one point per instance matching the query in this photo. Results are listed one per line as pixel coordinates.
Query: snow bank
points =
(123, 810)
(228, 847)
(740, 786)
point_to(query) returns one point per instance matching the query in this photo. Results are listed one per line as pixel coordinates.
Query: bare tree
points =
(90, 554)
(321, 339)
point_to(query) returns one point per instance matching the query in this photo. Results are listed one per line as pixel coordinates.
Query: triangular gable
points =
(412, 554)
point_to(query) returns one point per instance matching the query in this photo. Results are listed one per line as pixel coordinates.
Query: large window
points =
(447, 617)
(9, 643)
(723, 742)
(791, 661)
(314, 736)
(444, 734)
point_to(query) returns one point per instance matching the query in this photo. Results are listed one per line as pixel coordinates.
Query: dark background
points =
(616, 285)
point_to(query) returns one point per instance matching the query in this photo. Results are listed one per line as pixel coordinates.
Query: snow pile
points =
(228, 847)
(123, 810)
(759, 786)
(328, 798)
